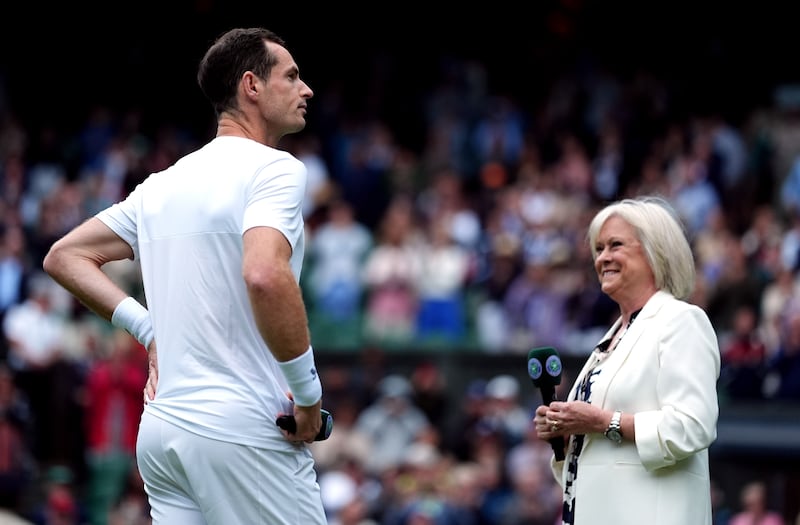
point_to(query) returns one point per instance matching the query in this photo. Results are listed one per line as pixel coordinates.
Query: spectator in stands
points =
(131, 507)
(61, 503)
(534, 500)
(17, 465)
(421, 496)
(465, 425)
(498, 262)
(737, 285)
(347, 444)
(343, 501)
(391, 423)
(694, 192)
(14, 269)
(744, 357)
(783, 290)
(720, 510)
(754, 507)
(338, 249)
(113, 408)
(444, 271)
(790, 242)
(535, 306)
(536, 496)
(790, 189)
(45, 376)
(783, 369)
(505, 414)
(710, 246)
(761, 241)
(320, 188)
(445, 199)
(430, 393)
(391, 271)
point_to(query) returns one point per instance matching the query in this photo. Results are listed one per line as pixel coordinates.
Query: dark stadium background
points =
(59, 57)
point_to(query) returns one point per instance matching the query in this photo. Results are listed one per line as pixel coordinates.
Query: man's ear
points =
(250, 85)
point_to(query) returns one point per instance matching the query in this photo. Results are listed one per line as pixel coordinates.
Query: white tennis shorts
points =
(193, 480)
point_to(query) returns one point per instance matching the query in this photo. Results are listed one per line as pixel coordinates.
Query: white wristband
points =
(301, 375)
(134, 319)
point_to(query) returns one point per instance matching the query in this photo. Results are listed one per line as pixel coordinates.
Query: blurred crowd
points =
(473, 239)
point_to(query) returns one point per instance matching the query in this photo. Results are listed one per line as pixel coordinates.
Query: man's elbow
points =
(265, 281)
(53, 261)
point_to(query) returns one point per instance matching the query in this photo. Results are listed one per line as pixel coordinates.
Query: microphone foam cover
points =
(544, 366)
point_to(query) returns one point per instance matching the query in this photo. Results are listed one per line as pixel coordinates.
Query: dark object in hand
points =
(288, 423)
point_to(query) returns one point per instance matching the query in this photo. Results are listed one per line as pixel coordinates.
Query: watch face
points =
(614, 435)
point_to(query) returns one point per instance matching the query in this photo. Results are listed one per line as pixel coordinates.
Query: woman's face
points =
(621, 265)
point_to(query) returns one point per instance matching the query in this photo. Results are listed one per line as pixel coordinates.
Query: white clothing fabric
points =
(217, 378)
(12, 275)
(444, 270)
(38, 345)
(317, 176)
(7, 517)
(242, 485)
(338, 253)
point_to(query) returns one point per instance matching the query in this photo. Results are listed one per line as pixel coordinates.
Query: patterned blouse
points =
(583, 392)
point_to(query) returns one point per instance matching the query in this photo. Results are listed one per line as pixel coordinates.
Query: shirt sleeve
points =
(122, 219)
(276, 198)
(686, 422)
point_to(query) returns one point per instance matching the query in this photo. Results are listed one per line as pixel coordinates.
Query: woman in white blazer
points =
(643, 411)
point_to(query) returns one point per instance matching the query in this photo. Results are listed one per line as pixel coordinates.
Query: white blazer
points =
(664, 371)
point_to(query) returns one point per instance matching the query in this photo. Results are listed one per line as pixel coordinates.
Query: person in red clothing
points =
(113, 409)
(744, 357)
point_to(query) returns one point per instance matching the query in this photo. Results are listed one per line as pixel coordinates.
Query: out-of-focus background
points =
(455, 158)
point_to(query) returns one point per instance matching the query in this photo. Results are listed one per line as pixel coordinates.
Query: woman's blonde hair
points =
(661, 232)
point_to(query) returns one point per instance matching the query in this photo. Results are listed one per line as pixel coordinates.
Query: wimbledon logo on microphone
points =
(552, 365)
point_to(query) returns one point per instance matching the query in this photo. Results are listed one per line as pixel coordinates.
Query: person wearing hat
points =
(391, 423)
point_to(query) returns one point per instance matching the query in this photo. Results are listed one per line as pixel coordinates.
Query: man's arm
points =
(275, 296)
(280, 315)
(75, 262)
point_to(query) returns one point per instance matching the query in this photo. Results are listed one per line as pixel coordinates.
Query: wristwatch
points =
(614, 431)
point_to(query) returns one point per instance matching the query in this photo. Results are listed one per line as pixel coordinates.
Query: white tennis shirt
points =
(217, 378)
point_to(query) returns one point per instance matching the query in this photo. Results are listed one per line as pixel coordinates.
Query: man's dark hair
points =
(229, 57)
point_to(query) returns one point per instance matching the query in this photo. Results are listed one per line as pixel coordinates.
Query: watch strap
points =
(614, 430)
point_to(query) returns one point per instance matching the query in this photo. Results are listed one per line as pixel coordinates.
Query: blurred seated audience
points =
(44, 373)
(112, 407)
(743, 357)
(337, 251)
(131, 506)
(444, 272)
(391, 273)
(782, 382)
(754, 507)
(17, 465)
(391, 423)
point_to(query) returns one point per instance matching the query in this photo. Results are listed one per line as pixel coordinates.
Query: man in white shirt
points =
(219, 237)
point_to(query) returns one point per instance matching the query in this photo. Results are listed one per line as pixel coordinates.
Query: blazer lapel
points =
(590, 362)
(626, 345)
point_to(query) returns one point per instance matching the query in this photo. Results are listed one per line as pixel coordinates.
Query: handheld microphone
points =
(288, 423)
(544, 368)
